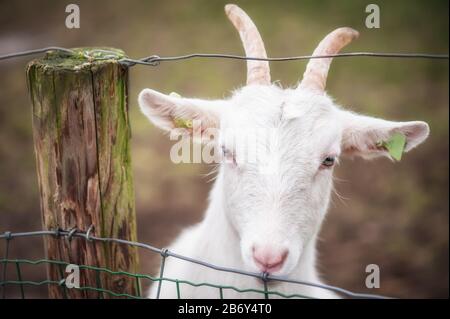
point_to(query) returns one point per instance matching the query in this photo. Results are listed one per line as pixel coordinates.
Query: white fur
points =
(280, 210)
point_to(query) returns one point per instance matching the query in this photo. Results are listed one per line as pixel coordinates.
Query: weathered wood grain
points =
(81, 138)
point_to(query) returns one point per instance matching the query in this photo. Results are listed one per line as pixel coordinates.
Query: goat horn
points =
(258, 72)
(315, 76)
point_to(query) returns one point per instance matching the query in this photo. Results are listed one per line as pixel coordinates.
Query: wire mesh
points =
(22, 283)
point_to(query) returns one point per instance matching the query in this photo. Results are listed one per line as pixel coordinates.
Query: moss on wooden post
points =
(82, 143)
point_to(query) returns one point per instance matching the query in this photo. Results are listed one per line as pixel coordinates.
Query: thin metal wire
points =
(266, 294)
(177, 282)
(33, 52)
(138, 287)
(99, 285)
(62, 283)
(161, 271)
(19, 278)
(154, 60)
(54, 282)
(8, 237)
(165, 253)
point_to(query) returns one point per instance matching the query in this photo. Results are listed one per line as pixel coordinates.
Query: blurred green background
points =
(393, 215)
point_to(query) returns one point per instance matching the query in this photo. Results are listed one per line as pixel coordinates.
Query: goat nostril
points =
(279, 260)
(269, 261)
(284, 255)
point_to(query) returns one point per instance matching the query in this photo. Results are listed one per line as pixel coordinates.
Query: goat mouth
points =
(269, 269)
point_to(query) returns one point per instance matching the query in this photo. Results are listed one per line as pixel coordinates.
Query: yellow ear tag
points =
(182, 123)
(395, 145)
(174, 94)
(179, 122)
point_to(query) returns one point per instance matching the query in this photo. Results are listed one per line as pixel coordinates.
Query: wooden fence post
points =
(82, 143)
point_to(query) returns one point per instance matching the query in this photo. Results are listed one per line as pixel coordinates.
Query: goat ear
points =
(366, 136)
(172, 111)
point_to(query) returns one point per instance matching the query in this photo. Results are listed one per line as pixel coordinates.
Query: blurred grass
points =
(395, 215)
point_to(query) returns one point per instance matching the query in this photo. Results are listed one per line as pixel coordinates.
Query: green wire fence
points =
(17, 279)
(23, 283)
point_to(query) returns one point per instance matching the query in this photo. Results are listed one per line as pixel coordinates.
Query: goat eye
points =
(225, 152)
(228, 156)
(328, 162)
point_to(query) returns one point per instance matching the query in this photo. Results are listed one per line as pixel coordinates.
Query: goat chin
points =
(217, 243)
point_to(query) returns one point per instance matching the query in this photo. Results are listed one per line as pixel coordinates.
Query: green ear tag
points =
(182, 123)
(179, 122)
(395, 145)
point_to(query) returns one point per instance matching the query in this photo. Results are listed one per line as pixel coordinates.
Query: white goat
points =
(270, 222)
